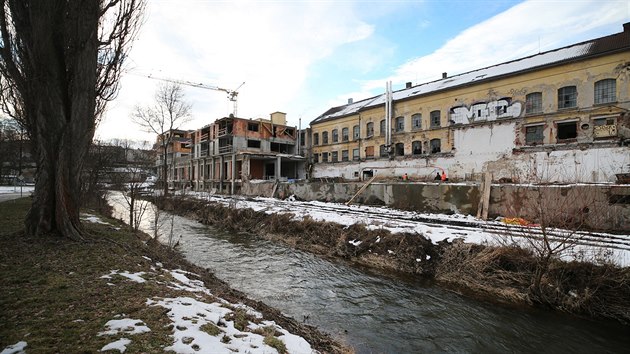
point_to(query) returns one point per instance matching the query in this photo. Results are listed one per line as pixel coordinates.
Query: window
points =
(567, 131)
(383, 151)
(344, 155)
(567, 97)
(315, 138)
(416, 121)
(369, 152)
(436, 146)
(253, 127)
(315, 158)
(356, 132)
(416, 147)
(355, 154)
(400, 124)
(253, 144)
(324, 157)
(335, 156)
(534, 135)
(400, 149)
(324, 137)
(533, 102)
(605, 91)
(335, 135)
(370, 129)
(382, 127)
(345, 134)
(435, 119)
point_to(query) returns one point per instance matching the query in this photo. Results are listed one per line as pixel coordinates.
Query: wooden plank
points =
(484, 202)
(363, 188)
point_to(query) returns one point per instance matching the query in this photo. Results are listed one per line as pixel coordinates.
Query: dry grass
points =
(53, 297)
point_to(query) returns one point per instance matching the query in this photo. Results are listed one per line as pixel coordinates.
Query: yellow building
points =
(572, 98)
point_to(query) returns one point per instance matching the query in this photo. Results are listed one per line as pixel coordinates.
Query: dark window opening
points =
(345, 136)
(253, 127)
(383, 151)
(253, 144)
(400, 149)
(436, 146)
(416, 147)
(344, 155)
(335, 156)
(567, 131)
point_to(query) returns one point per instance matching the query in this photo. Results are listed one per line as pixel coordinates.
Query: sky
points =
(304, 57)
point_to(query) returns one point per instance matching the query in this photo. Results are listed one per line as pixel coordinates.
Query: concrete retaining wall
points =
(598, 206)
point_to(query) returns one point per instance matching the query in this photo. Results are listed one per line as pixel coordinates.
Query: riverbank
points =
(504, 273)
(123, 291)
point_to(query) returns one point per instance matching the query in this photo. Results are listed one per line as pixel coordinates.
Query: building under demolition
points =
(231, 151)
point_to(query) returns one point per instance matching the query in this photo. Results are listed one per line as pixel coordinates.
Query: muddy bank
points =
(504, 274)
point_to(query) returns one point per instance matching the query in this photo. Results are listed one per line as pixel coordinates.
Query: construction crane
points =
(232, 95)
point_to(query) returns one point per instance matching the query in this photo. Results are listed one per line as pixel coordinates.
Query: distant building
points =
(562, 115)
(231, 151)
(177, 157)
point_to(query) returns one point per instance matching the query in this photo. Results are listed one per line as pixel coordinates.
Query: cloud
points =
(269, 46)
(525, 29)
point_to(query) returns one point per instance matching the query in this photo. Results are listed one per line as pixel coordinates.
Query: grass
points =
(53, 297)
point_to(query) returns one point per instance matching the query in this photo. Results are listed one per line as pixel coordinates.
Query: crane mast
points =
(232, 95)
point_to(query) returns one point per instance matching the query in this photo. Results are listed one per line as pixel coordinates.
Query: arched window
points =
(335, 135)
(324, 137)
(370, 129)
(416, 147)
(605, 91)
(435, 119)
(567, 97)
(416, 121)
(436, 146)
(345, 134)
(400, 149)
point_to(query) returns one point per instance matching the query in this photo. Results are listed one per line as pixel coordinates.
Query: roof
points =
(579, 51)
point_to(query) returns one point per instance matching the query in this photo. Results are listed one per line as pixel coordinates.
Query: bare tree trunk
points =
(59, 72)
(60, 106)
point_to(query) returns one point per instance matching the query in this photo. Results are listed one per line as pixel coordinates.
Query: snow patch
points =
(355, 243)
(17, 348)
(137, 277)
(120, 345)
(125, 325)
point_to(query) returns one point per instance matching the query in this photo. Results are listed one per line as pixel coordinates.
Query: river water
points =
(382, 313)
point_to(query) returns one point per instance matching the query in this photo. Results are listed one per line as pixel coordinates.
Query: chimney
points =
(408, 84)
(626, 27)
(350, 100)
(444, 75)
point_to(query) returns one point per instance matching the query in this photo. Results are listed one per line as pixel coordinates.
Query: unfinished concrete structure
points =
(557, 116)
(232, 151)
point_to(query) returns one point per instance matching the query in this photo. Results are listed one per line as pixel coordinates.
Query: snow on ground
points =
(401, 221)
(120, 345)
(93, 219)
(17, 348)
(200, 326)
(136, 277)
(16, 189)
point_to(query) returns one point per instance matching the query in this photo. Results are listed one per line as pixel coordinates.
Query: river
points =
(382, 313)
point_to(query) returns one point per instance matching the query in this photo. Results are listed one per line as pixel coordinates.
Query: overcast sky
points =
(303, 57)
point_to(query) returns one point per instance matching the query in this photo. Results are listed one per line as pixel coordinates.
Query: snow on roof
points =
(580, 50)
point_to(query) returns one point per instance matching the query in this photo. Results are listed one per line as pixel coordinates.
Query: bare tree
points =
(168, 113)
(131, 179)
(60, 62)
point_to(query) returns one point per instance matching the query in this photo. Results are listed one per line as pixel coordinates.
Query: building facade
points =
(560, 115)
